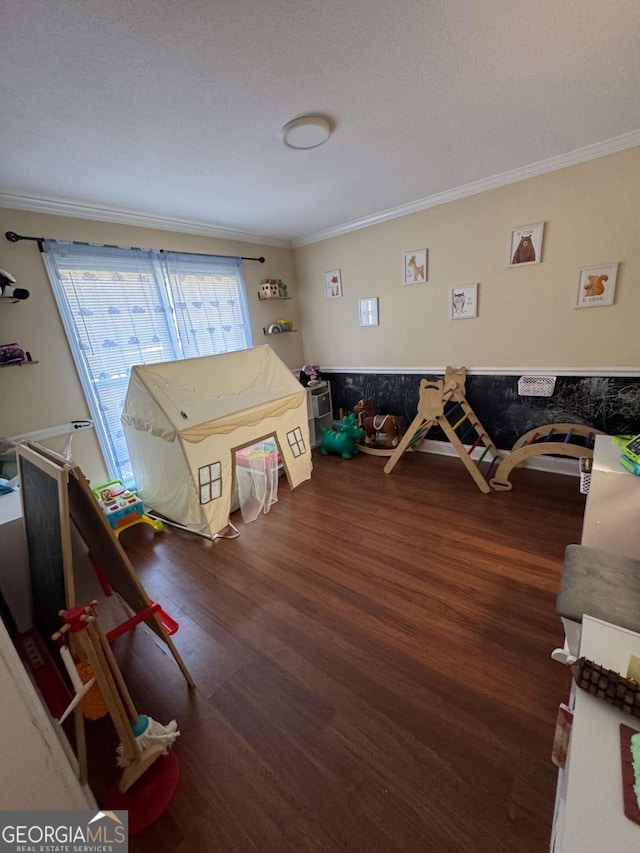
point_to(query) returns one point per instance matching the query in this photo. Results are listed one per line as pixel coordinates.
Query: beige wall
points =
(49, 393)
(526, 315)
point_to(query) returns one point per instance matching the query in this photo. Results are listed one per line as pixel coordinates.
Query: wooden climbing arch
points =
(574, 440)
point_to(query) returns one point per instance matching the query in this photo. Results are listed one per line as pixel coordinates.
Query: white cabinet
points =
(613, 503)
(589, 805)
(319, 413)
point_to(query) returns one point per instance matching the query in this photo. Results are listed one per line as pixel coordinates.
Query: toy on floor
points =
(344, 440)
(574, 440)
(378, 429)
(443, 403)
(122, 508)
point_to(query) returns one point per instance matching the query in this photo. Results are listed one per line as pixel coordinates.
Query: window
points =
(296, 441)
(210, 480)
(122, 307)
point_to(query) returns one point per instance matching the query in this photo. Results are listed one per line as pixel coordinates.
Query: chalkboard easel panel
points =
(77, 503)
(43, 488)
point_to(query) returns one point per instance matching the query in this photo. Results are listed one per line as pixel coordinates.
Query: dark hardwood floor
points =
(372, 661)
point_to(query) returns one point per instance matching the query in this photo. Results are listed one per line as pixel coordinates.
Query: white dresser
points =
(589, 816)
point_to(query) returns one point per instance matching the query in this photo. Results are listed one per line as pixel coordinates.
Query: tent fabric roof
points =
(200, 396)
(189, 390)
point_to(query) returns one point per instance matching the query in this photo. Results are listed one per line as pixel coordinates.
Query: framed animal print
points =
(596, 285)
(464, 302)
(415, 266)
(525, 247)
(332, 284)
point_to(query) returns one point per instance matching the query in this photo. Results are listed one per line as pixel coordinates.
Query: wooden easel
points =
(53, 486)
(91, 645)
(444, 403)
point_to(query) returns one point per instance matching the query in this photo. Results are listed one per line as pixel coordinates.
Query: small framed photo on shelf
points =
(368, 311)
(525, 247)
(332, 284)
(596, 285)
(464, 302)
(415, 266)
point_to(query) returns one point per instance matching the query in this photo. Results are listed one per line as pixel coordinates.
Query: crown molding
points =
(58, 207)
(542, 167)
(496, 371)
(118, 216)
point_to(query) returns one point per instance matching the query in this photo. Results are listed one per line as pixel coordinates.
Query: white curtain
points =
(126, 306)
(257, 479)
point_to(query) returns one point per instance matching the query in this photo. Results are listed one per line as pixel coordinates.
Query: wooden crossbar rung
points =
(461, 421)
(551, 434)
(467, 433)
(416, 437)
(534, 438)
(568, 436)
(489, 471)
(486, 450)
(453, 409)
(475, 443)
(589, 441)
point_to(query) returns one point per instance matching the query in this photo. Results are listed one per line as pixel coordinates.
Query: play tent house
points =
(185, 420)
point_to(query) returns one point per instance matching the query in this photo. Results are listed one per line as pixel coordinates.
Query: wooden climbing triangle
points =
(443, 403)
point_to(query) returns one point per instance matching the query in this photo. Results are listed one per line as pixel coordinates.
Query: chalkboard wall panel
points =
(44, 539)
(610, 404)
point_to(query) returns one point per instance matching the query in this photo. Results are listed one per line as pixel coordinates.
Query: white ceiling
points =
(173, 108)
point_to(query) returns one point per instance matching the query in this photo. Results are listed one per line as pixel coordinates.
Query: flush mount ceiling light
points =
(306, 132)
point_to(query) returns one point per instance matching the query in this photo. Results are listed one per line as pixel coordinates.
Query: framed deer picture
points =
(415, 266)
(525, 247)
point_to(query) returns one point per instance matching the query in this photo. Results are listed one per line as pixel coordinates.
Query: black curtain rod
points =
(12, 237)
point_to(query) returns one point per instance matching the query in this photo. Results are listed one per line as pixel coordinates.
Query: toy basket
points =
(585, 464)
(536, 386)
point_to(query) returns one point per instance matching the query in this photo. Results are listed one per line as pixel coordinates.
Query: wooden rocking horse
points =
(380, 430)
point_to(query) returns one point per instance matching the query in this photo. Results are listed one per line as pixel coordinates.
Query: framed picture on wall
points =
(415, 266)
(332, 284)
(596, 285)
(368, 311)
(525, 247)
(463, 302)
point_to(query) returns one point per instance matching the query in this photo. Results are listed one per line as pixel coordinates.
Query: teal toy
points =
(630, 458)
(342, 441)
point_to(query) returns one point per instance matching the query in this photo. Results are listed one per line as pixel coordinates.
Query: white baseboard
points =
(551, 464)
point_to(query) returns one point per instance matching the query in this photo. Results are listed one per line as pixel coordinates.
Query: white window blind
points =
(122, 307)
